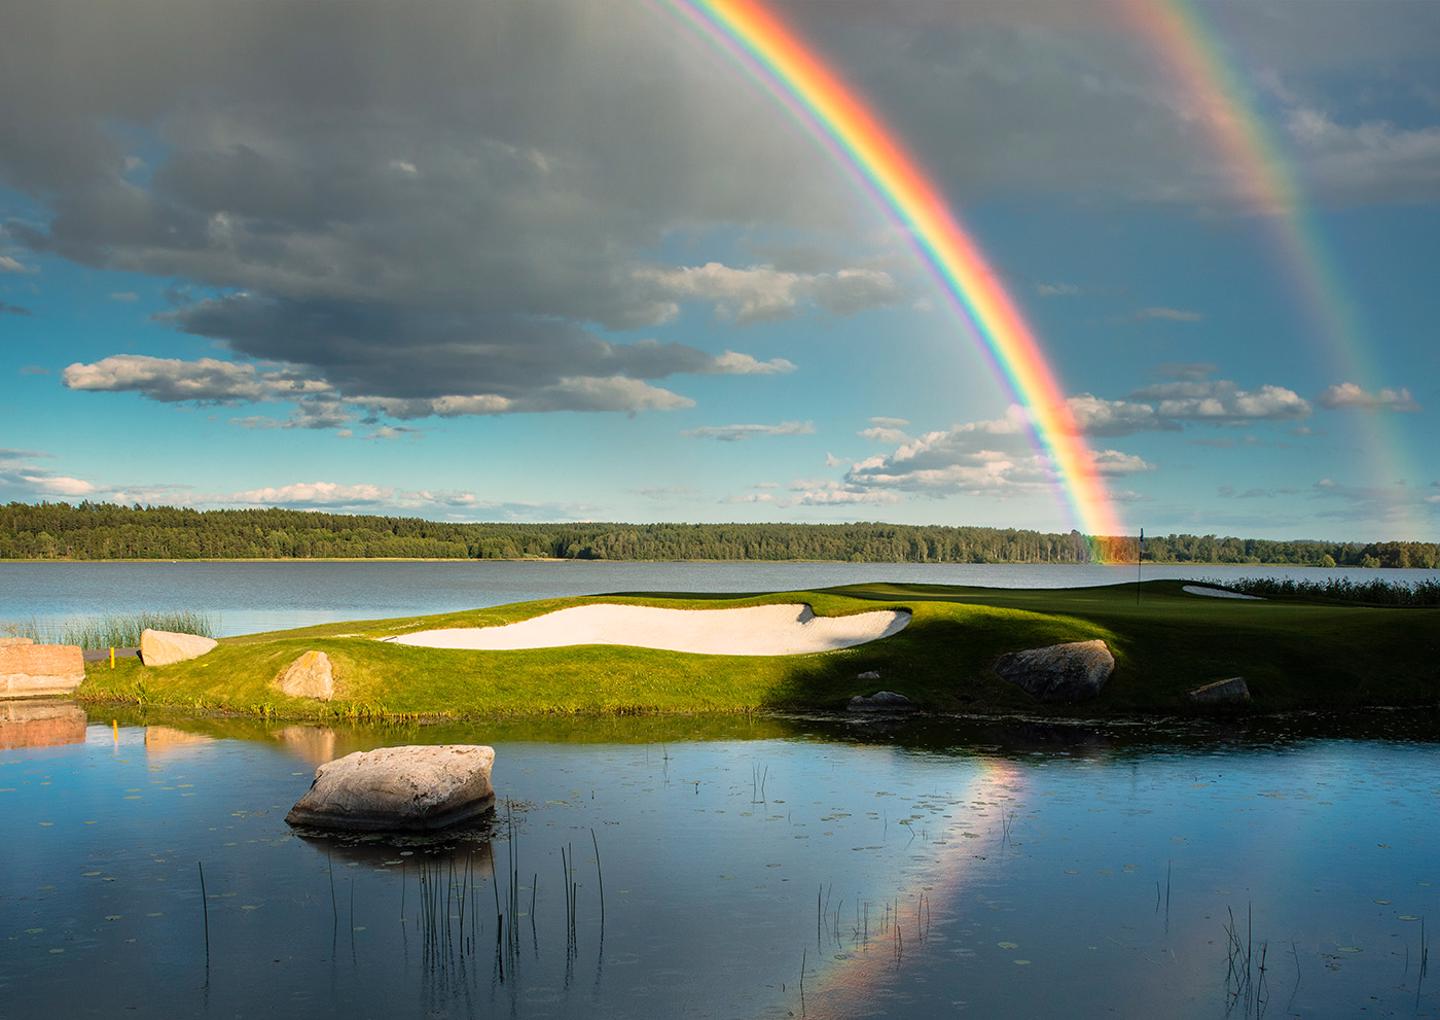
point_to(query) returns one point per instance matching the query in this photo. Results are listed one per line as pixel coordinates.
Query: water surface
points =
(931, 868)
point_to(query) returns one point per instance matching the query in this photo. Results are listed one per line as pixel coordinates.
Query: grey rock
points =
(868, 675)
(1231, 691)
(881, 701)
(1073, 671)
(415, 788)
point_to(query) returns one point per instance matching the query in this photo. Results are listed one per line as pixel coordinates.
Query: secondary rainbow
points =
(1195, 55)
(841, 118)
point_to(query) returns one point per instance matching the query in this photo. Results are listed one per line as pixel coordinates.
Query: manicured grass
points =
(1295, 656)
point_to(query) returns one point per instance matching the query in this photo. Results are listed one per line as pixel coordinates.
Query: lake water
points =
(249, 597)
(939, 867)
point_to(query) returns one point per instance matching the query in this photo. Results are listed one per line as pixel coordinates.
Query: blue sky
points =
(552, 262)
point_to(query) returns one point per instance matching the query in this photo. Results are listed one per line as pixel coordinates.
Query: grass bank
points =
(1294, 654)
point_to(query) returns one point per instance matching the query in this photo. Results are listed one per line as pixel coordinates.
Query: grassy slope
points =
(1295, 655)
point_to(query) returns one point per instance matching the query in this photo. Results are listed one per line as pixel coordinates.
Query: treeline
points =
(104, 531)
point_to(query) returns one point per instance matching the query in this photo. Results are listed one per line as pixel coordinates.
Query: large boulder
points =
(309, 676)
(1074, 671)
(1231, 691)
(881, 701)
(163, 647)
(29, 670)
(416, 788)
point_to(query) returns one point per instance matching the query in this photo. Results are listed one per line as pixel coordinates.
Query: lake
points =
(942, 866)
(249, 597)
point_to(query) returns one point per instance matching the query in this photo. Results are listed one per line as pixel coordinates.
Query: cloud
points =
(1350, 395)
(879, 434)
(760, 293)
(388, 227)
(736, 433)
(731, 363)
(124, 296)
(1048, 290)
(8, 309)
(1221, 401)
(889, 423)
(23, 478)
(10, 264)
(1097, 416)
(578, 393)
(1167, 314)
(1114, 462)
(830, 493)
(203, 381)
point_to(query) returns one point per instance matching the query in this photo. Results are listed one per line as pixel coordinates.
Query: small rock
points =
(163, 647)
(309, 676)
(868, 675)
(1232, 691)
(1072, 671)
(28, 670)
(881, 701)
(415, 788)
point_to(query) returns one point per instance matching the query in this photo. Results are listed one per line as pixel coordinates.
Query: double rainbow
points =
(841, 118)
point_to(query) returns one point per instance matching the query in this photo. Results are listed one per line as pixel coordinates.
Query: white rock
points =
(162, 647)
(423, 787)
(309, 676)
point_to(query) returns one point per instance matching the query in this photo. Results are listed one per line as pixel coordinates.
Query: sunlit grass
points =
(1294, 655)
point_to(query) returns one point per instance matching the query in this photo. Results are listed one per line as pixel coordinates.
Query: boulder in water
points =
(29, 670)
(415, 788)
(1231, 691)
(881, 701)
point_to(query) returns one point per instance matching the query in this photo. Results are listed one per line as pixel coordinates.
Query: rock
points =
(1070, 672)
(30, 670)
(12, 642)
(881, 701)
(1232, 691)
(416, 788)
(40, 724)
(868, 675)
(309, 676)
(163, 647)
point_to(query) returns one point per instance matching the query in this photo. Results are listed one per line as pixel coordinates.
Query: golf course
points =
(1295, 654)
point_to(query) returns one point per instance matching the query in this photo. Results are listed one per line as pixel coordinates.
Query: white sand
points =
(1218, 593)
(754, 630)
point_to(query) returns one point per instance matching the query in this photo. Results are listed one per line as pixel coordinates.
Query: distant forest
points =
(104, 531)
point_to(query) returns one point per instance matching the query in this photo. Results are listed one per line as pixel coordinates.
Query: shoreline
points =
(572, 559)
(1295, 655)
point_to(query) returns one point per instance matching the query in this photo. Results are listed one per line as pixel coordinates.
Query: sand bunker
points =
(1217, 593)
(754, 630)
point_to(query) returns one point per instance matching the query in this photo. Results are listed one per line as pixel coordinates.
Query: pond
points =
(704, 866)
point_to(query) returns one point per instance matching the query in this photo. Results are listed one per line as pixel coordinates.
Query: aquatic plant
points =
(120, 630)
(1421, 594)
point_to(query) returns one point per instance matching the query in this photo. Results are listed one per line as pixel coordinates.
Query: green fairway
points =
(1295, 655)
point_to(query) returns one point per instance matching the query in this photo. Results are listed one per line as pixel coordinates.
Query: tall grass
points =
(117, 630)
(1409, 594)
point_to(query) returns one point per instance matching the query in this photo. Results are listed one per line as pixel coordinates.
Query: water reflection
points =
(40, 724)
(702, 866)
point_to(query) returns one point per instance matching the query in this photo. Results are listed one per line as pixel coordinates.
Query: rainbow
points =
(841, 118)
(1195, 55)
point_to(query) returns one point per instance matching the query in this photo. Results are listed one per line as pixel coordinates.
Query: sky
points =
(572, 261)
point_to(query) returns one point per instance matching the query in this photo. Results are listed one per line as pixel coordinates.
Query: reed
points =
(121, 630)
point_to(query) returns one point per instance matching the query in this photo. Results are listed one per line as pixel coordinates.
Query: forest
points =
(105, 531)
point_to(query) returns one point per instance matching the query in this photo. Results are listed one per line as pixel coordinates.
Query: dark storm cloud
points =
(407, 200)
